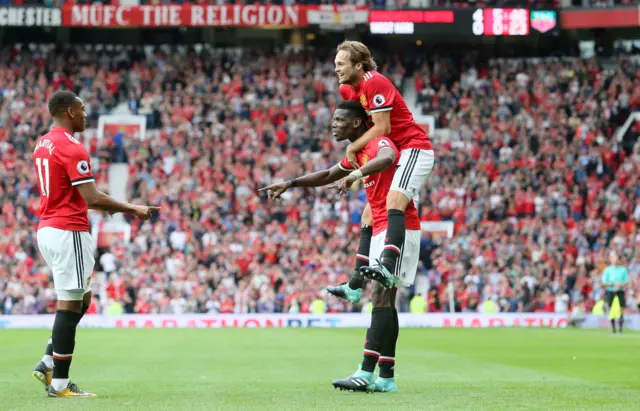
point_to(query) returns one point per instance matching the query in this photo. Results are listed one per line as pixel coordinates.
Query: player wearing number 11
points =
(67, 190)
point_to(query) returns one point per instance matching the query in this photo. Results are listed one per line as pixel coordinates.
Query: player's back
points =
(378, 94)
(61, 163)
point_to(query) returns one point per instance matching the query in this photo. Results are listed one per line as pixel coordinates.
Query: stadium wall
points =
(462, 320)
(458, 320)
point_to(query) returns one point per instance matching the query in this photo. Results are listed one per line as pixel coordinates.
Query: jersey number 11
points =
(44, 178)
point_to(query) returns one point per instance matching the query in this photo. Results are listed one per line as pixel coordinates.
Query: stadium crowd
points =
(529, 171)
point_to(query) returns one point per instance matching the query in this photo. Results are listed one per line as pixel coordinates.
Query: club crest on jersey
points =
(82, 167)
(363, 100)
(364, 159)
(378, 100)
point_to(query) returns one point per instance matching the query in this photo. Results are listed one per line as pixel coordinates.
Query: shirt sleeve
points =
(625, 275)
(78, 165)
(346, 165)
(380, 93)
(383, 143)
(605, 275)
(347, 92)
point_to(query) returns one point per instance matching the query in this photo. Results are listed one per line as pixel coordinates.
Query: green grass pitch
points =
(292, 369)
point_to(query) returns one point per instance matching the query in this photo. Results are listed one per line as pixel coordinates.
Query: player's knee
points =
(391, 296)
(86, 298)
(397, 201)
(70, 305)
(380, 297)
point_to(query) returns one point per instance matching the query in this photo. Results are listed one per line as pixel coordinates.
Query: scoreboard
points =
(465, 22)
(500, 22)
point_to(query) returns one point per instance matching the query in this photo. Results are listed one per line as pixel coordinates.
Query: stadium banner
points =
(121, 126)
(631, 322)
(188, 15)
(30, 17)
(439, 229)
(337, 17)
(407, 320)
(114, 231)
(472, 22)
(428, 123)
(601, 18)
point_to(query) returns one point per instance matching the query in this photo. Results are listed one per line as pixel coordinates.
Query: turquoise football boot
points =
(344, 292)
(385, 385)
(360, 381)
(379, 273)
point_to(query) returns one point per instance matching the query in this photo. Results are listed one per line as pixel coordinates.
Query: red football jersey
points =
(377, 94)
(61, 163)
(377, 185)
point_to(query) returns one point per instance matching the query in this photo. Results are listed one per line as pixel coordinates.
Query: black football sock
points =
(381, 323)
(620, 322)
(613, 326)
(394, 241)
(387, 359)
(371, 351)
(362, 258)
(64, 340)
(48, 353)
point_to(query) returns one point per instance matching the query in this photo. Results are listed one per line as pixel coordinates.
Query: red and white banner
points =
(175, 15)
(30, 17)
(439, 229)
(616, 17)
(462, 320)
(336, 17)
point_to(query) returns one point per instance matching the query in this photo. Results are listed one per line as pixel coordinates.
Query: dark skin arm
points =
(383, 160)
(97, 200)
(317, 179)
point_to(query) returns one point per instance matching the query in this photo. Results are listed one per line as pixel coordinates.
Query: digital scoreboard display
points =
(500, 22)
(464, 22)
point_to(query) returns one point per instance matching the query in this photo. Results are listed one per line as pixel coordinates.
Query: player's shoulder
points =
(61, 137)
(51, 141)
(373, 77)
(66, 141)
(347, 92)
(383, 142)
(378, 144)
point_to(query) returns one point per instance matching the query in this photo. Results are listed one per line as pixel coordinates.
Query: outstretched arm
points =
(320, 178)
(317, 179)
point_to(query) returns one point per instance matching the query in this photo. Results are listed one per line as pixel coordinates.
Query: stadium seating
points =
(531, 173)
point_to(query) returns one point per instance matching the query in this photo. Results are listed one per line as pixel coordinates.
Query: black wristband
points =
(293, 183)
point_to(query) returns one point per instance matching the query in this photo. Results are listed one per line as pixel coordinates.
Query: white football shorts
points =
(409, 255)
(412, 171)
(69, 255)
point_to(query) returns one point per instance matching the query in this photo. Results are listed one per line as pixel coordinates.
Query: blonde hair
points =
(359, 53)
